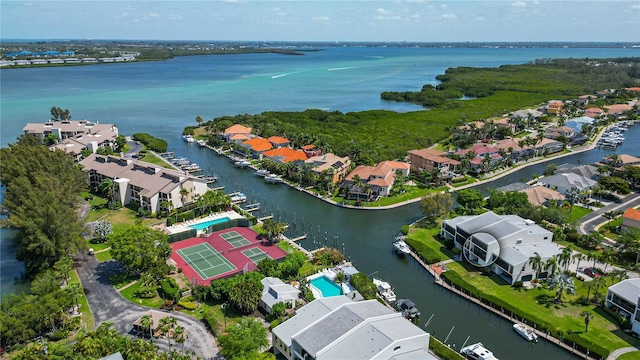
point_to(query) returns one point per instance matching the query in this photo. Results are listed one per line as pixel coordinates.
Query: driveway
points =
(589, 222)
(108, 305)
(135, 147)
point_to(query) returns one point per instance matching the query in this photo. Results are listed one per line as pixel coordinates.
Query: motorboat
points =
(526, 332)
(477, 351)
(262, 172)
(401, 247)
(238, 198)
(202, 143)
(385, 290)
(408, 308)
(241, 163)
(273, 179)
(188, 138)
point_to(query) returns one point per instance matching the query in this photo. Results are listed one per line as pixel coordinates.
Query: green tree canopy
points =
(245, 338)
(141, 249)
(470, 200)
(435, 205)
(42, 190)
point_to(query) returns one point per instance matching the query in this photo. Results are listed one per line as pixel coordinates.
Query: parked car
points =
(593, 272)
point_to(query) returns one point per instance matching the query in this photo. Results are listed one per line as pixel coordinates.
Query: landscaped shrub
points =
(211, 322)
(517, 284)
(188, 303)
(274, 323)
(364, 285)
(170, 288)
(404, 229)
(449, 244)
(153, 143)
(442, 351)
(424, 252)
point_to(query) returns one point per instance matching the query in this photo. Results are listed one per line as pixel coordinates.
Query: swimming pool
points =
(326, 287)
(206, 224)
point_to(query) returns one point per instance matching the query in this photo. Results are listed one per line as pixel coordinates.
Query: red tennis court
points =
(239, 245)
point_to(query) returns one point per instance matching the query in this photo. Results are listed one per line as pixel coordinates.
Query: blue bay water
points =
(162, 97)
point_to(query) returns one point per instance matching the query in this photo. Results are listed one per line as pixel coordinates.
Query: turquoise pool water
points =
(206, 224)
(327, 287)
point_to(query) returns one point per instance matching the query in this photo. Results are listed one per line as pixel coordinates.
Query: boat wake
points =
(343, 68)
(282, 75)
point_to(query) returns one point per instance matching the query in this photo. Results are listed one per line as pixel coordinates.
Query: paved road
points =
(591, 220)
(135, 147)
(108, 305)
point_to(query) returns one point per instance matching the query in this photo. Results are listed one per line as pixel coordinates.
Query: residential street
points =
(590, 221)
(108, 305)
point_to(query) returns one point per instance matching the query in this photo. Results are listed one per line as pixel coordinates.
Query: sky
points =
(321, 20)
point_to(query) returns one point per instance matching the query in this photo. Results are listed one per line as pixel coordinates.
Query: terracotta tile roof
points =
(309, 147)
(633, 89)
(435, 156)
(239, 137)
(237, 129)
(383, 182)
(397, 165)
(285, 154)
(278, 140)
(632, 214)
(258, 144)
(363, 171)
(593, 112)
(538, 195)
(627, 159)
(618, 108)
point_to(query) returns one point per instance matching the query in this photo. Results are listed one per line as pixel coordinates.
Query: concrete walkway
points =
(616, 353)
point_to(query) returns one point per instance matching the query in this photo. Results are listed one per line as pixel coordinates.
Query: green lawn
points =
(427, 237)
(97, 246)
(411, 192)
(578, 212)
(87, 316)
(562, 319)
(104, 256)
(156, 160)
(635, 355)
(128, 293)
(522, 134)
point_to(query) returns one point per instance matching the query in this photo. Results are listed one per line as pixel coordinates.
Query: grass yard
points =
(156, 160)
(562, 319)
(103, 256)
(411, 192)
(578, 212)
(634, 355)
(427, 237)
(129, 294)
(87, 316)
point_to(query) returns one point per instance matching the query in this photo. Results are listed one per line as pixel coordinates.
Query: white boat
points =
(273, 179)
(238, 198)
(401, 247)
(526, 332)
(262, 172)
(188, 138)
(385, 290)
(408, 308)
(202, 143)
(477, 351)
(241, 163)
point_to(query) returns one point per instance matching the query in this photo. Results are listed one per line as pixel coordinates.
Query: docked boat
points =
(202, 143)
(273, 179)
(385, 290)
(238, 198)
(477, 351)
(241, 163)
(401, 247)
(526, 332)
(262, 172)
(408, 308)
(188, 138)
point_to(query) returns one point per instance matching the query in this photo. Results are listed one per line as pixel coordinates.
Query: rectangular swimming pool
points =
(326, 287)
(206, 224)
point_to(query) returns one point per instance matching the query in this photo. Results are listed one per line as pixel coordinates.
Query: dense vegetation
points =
(42, 190)
(151, 142)
(372, 136)
(561, 78)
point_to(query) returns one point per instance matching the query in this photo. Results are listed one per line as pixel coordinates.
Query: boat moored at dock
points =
(477, 351)
(526, 332)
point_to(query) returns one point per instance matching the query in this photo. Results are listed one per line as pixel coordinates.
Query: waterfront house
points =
(631, 218)
(576, 124)
(542, 196)
(502, 243)
(429, 159)
(555, 132)
(548, 146)
(237, 133)
(565, 181)
(336, 165)
(276, 291)
(585, 99)
(311, 150)
(141, 182)
(485, 156)
(379, 178)
(285, 155)
(278, 141)
(593, 112)
(525, 114)
(623, 298)
(587, 171)
(513, 148)
(257, 146)
(338, 328)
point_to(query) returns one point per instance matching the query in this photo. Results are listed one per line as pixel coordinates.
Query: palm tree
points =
(593, 255)
(588, 315)
(618, 274)
(179, 336)
(611, 215)
(183, 193)
(562, 283)
(564, 258)
(62, 267)
(597, 283)
(607, 257)
(552, 265)
(536, 263)
(108, 187)
(577, 257)
(199, 120)
(75, 291)
(146, 322)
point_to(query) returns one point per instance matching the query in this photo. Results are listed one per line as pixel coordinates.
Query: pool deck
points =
(186, 225)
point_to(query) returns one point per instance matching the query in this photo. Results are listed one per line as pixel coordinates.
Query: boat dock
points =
(299, 238)
(252, 207)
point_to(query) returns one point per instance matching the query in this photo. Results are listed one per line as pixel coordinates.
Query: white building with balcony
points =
(623, 298)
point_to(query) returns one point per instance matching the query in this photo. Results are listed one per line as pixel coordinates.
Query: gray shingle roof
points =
(628, 289)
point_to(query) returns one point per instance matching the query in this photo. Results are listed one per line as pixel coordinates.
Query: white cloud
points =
(154, 14)
(382, 11)
(321, 19)
(535, 2)
(635, 7)
(443, 6)
(449, 16)
(519, 4)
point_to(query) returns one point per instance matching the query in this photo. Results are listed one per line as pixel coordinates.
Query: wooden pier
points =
(299, 238)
